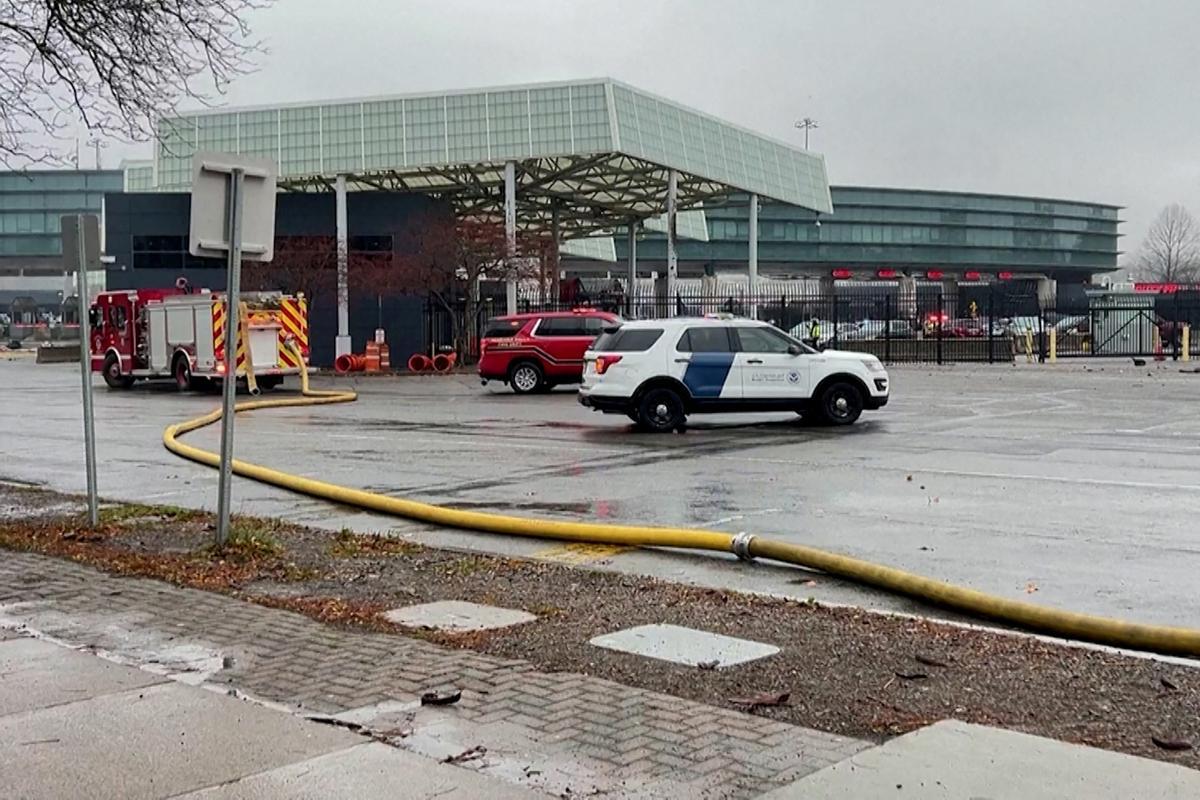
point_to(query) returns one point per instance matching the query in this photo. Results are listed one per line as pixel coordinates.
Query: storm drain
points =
(681, 645)
(457, 616)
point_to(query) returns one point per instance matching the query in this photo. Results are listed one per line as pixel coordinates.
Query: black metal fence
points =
(985, 323)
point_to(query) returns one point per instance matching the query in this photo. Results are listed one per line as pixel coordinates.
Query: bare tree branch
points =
(1170, 253)
(114, 66)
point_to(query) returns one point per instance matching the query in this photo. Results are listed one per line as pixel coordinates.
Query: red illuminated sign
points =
(973, 275)
(1004, 276)
(842, 274)
(886, 273)
(934, 274)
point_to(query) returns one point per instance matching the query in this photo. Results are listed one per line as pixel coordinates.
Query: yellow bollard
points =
(1186, 343)
(1053, 345)
(1029, 346)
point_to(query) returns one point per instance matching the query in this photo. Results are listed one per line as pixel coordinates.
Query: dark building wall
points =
(146, 235)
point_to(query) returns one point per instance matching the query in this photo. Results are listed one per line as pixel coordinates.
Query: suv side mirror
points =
(795, 349)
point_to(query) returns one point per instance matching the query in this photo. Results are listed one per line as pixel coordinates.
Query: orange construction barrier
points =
(385, 358)
(419, 362)
(350, 362)
(372, 357)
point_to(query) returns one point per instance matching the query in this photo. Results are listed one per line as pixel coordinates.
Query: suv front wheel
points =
(526, 378)
(840, 403)
(661, 411)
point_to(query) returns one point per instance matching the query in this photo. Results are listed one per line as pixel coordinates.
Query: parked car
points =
(882, 329)
(658, 372)
(534, 352)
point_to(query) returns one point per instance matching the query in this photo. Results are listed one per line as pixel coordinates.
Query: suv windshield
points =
(627, 340)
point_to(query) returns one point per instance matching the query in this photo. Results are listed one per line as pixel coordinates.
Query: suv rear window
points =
(628, 340)
(502, 328)
(570, 326)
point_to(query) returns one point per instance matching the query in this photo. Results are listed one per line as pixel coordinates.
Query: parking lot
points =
(1075, 485)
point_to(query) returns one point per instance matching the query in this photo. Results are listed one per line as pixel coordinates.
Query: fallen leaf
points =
(1168, 684)
(762, 700)
(929, 661)
(441, 698)
(909, 479)
(1171, 744)
(911, 676)
(1031, 587)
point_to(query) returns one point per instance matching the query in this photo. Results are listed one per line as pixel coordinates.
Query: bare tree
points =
(112, 66)
(1170, 253)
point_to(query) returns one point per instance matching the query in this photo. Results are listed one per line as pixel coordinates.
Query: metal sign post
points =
(81, 250)
(233, 215)
(232, 327)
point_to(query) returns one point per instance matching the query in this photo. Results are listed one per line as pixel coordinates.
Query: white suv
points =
(659, 371)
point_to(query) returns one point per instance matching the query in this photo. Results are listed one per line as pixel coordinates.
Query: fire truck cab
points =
(172, 333)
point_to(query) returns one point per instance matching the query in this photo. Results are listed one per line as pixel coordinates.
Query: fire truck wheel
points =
(182, 370)
(113, 376)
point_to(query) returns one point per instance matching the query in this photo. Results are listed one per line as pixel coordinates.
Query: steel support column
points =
(632, 277)
(510, 233)
(672, 256)
(752, 259)
(342, 344)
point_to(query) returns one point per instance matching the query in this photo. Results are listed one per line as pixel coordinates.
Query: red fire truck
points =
(175, 333)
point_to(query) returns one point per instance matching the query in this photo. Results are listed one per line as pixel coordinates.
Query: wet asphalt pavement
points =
(1073, 488)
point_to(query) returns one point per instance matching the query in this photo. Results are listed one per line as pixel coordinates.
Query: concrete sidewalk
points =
(75, 725)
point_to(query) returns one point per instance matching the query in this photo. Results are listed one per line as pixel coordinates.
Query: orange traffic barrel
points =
(372, 356)
(385, 357)
(350, 362)
(419, 362)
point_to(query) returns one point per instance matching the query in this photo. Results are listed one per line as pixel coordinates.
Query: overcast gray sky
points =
(1096, 100)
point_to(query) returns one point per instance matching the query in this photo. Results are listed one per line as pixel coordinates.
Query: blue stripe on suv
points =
(706, 373)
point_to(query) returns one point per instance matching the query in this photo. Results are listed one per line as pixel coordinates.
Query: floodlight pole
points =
(232, 329)
(752, 260)
(672, 256)
(342, 344)
(510, 233)
(633, 275)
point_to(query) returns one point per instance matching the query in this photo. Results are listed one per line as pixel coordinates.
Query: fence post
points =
(833, 296)
(941, 324)
(991, 323)
(887, 329)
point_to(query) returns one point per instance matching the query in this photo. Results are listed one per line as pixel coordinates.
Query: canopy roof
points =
(596, 153)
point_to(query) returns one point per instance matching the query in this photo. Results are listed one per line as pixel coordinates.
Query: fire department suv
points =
(659, 371)
(172, 333)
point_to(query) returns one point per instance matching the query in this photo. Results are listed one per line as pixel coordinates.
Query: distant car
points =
(534, 352)
(657, 372)
(882, 329)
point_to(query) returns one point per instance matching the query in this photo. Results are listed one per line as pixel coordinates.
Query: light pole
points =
(806, 125)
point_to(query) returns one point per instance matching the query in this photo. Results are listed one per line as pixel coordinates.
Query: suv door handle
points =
(683, 360)
(754, 361)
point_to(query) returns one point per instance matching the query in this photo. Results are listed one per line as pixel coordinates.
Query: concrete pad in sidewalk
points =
(151, 743)
(366, 772)
(953, 759)
(37, 674)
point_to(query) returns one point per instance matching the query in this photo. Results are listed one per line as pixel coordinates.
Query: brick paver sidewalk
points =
(564, 733)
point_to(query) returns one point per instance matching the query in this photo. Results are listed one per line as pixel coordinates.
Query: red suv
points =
(533, 352)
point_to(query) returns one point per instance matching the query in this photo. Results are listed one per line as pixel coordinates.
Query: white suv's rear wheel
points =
(661, 411)
(526, 378)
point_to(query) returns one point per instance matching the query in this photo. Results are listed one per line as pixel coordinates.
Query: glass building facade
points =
(32, 204)
(907, 230)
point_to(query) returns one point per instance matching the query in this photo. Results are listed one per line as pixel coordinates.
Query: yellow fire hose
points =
(1084, 627)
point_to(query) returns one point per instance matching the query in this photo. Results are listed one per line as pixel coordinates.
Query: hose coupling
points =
(741, 545)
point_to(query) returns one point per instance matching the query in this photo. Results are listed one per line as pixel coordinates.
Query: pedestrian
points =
(814, 332)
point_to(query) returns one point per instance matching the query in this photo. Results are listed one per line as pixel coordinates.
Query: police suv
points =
(659, 371)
